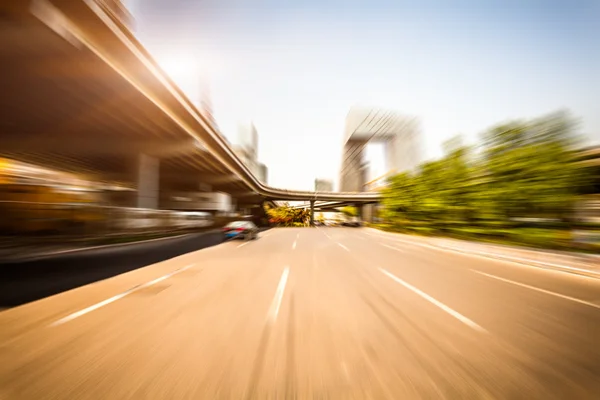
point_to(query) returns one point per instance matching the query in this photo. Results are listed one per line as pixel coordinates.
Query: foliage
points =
(349, 211)
(285, 215)
(320, 218)
(523, 169)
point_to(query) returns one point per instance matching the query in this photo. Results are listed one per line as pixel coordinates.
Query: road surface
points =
(34, 276)
(327, 313)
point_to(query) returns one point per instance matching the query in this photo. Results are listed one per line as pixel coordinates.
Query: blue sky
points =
(295, 68)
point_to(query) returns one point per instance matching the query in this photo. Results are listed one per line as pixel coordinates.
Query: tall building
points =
(205, 105)
(263, 173)
(248, 139)
(399, 134)
(246, 149)
(323, 185)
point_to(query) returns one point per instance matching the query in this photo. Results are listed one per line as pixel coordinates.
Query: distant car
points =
(352, 223)
(240, 230)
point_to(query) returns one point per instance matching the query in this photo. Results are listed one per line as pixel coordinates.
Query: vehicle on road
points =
(354, 222)
(240, 230)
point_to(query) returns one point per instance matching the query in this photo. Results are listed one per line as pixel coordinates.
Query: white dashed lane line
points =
(562, 296)
(343, 247)
(103, 303)
(276, 304)
(435, 302)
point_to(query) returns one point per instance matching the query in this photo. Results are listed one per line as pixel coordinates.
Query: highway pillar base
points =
(148, 182)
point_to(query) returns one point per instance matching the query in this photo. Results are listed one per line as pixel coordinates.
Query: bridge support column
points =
(147, 181)
(368, 211)
(312, 213)
(359, 211)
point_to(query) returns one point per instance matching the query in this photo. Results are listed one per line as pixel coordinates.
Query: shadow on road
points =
(23, 282)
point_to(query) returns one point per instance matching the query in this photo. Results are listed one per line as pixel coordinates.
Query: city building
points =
(263, 173)
(323, 185)
(205, 105)
(246, 149)
(399, 134)
(380, 182)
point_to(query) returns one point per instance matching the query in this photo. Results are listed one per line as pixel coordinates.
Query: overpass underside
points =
(74, 100)
(80, 94)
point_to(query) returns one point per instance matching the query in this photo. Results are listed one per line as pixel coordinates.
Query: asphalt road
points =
(328, 313)
(34, 278)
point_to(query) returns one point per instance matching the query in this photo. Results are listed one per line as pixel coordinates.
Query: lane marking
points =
(433, 301)
(343, 247)
(294, 245)
(242, 245)
(521, 261)
(274, 309)
(527, 262)
(562, 296)
(427, 246)
(391, 247)
(345, 371)
(103, 303)
(324, 233)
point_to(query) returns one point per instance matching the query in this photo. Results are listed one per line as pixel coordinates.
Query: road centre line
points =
(562, 296)
(276, 304)
(103, 303)
(435, 302)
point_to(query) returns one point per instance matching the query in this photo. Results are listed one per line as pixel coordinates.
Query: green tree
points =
(320, 218)
(350, 211)
(285, 215)
(521, 169)
(530, 168)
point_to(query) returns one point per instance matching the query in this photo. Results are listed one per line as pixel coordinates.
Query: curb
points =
(515, 260)
(529, 263)
(57, 253)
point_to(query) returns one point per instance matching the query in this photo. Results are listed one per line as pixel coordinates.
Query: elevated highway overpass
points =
(82, 94)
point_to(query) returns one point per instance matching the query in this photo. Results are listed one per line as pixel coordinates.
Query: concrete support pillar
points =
(312, 213)
(368, 211)
(359, 210)
(148, 175)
